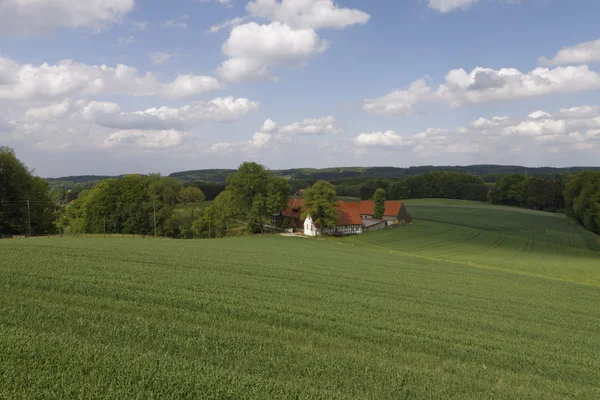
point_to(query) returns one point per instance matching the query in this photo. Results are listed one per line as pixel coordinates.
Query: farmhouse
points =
(395, 212)
(348, 222)
(353, 218)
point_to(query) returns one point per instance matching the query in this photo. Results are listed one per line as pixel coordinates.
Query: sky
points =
(150, 86)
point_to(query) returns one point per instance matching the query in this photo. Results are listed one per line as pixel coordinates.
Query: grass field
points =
(468, 302)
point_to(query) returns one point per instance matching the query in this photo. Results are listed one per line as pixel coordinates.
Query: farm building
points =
(353, 218)
(348, 222)
(395, 212)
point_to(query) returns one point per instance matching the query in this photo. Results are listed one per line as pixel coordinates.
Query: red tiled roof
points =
(293, 204)
(348, 211)
(349, 216)
(348, 204)
(392, 208)
(367, 207)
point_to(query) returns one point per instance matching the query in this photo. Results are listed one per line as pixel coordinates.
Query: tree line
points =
(165, 206)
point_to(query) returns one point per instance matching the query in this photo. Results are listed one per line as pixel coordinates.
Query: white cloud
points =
(109, 115)
(583, 53)
(69, 78)
(315, 14)
(308, 126)
(259, 139)
(484, 85)
(539, 115)
(380, 139)
(252, 48)
(446, 6)
(126, 40)
(180, 22)
(220, 109)
(270, 132)
(540, 131)
(160, 57)
(42, 16)
(227, 24)
(73, 110)
(145, 139)
(482, 123)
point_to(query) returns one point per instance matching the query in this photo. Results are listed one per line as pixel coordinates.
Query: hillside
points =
(471, 301)
(219, 175)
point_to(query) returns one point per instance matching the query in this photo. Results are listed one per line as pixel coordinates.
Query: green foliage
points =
(379, 198)
(250, 180)
(445, 185)
(505, 308)
(191, 198)
(582, 199)
(216, 220)
(23, 198)
(320, 203)
(128, 205)
(368, 189)
(260, 192)
(530, 192)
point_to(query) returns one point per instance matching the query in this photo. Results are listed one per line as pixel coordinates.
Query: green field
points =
(469, 302)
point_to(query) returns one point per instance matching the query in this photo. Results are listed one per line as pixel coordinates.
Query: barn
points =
(395, 212)
(348, 222)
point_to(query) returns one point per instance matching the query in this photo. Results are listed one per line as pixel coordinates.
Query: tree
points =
(379, 198)
(250, 180)
(216, 219)
(265, 205)
(192, 198)
(582, 199)
(259, 192)
(24, 199)
(320, 203)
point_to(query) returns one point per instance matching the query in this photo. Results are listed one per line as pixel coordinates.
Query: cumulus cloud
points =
(289, 40)
(145, 139)
(577, 128)
(27, 17)
(583, 53)
(315, 14)
(109, 115)
(270, 132)
(484, 85)
(446, 6)
(220, 109)
(252, 48)
(308, 126)
(69, 78)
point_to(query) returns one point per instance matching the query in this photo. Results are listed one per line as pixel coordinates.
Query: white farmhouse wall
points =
(309, 227)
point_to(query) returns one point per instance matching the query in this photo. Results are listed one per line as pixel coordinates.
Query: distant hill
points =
(488, 172)
(219, 175)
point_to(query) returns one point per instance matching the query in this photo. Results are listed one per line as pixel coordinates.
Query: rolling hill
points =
(471, 301)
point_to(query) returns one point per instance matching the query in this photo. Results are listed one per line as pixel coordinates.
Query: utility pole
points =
(104, 225)
(154, 204)
(29, 217)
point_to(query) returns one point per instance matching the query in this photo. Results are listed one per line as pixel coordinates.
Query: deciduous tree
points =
(320, 203)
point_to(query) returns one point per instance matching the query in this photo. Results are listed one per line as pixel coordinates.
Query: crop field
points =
(469, 302)
(508, 238)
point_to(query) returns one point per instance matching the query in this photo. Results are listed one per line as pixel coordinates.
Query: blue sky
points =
(122, 86)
